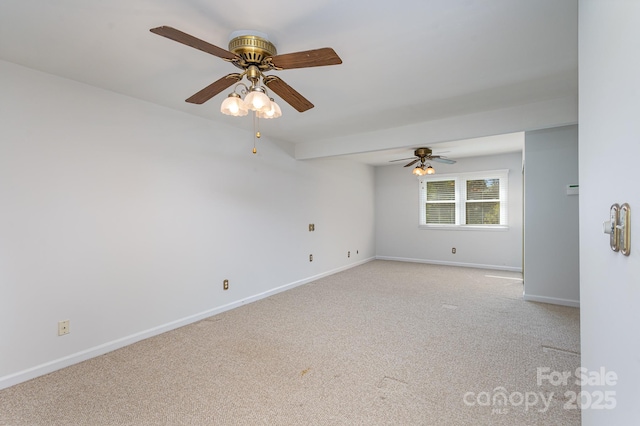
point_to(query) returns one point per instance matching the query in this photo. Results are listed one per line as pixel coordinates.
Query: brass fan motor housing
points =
(422, 152)
(252, 49)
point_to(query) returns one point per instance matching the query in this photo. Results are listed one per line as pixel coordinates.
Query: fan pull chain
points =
(256, 131)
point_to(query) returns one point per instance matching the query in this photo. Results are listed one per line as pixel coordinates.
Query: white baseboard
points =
(57, 364)
(442, 262)
(552, 300)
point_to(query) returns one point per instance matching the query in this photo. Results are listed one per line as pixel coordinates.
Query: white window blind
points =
(441, 202)
(483, 202)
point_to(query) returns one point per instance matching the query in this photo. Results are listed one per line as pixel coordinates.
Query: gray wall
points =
(398, 236)
(551, 243)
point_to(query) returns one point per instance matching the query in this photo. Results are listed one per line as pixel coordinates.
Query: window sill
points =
(494, 228)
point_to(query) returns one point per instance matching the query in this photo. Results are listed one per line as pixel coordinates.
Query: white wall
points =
(125, 218)
(398, 236)
(609, 31)
(551, 241)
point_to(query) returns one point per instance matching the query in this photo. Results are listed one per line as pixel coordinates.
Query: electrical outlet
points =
(310, 258)
(225, 285)
(312, 227)
(453, 250)
(63, 327)
(348, 254)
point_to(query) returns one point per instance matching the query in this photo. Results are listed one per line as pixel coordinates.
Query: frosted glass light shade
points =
(430, 170)
(273, 111)
(234, 105)
(256, 100)
(419, 171)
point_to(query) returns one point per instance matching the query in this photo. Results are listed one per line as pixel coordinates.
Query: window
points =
(441, 202)
(464, 201)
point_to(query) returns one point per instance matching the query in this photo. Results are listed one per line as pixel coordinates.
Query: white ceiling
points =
(405, 62)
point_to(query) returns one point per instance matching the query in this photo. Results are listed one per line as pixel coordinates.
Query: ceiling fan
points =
(254, 54)
(422, 155)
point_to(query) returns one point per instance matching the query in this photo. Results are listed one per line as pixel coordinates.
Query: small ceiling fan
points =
(254, 54)
(423, 155)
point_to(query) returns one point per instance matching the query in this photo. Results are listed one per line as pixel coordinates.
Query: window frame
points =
(460, 180)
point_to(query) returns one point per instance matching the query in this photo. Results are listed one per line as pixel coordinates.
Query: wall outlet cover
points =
(63, 327)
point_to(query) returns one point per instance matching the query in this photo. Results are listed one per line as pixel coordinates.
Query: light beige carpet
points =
(384, 343)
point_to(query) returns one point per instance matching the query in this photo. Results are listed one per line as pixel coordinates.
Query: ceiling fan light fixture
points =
(419, 170)
(422, 169)
(257, 100)
(234, 105)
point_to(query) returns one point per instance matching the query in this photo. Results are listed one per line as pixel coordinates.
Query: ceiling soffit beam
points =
(527, 117)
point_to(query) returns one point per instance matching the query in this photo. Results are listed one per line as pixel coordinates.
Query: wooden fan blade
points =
(214, 88)
(287, 93)
(402, 159)
(440, 159)
(306, 59)
(192, 41)
(412, 163)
